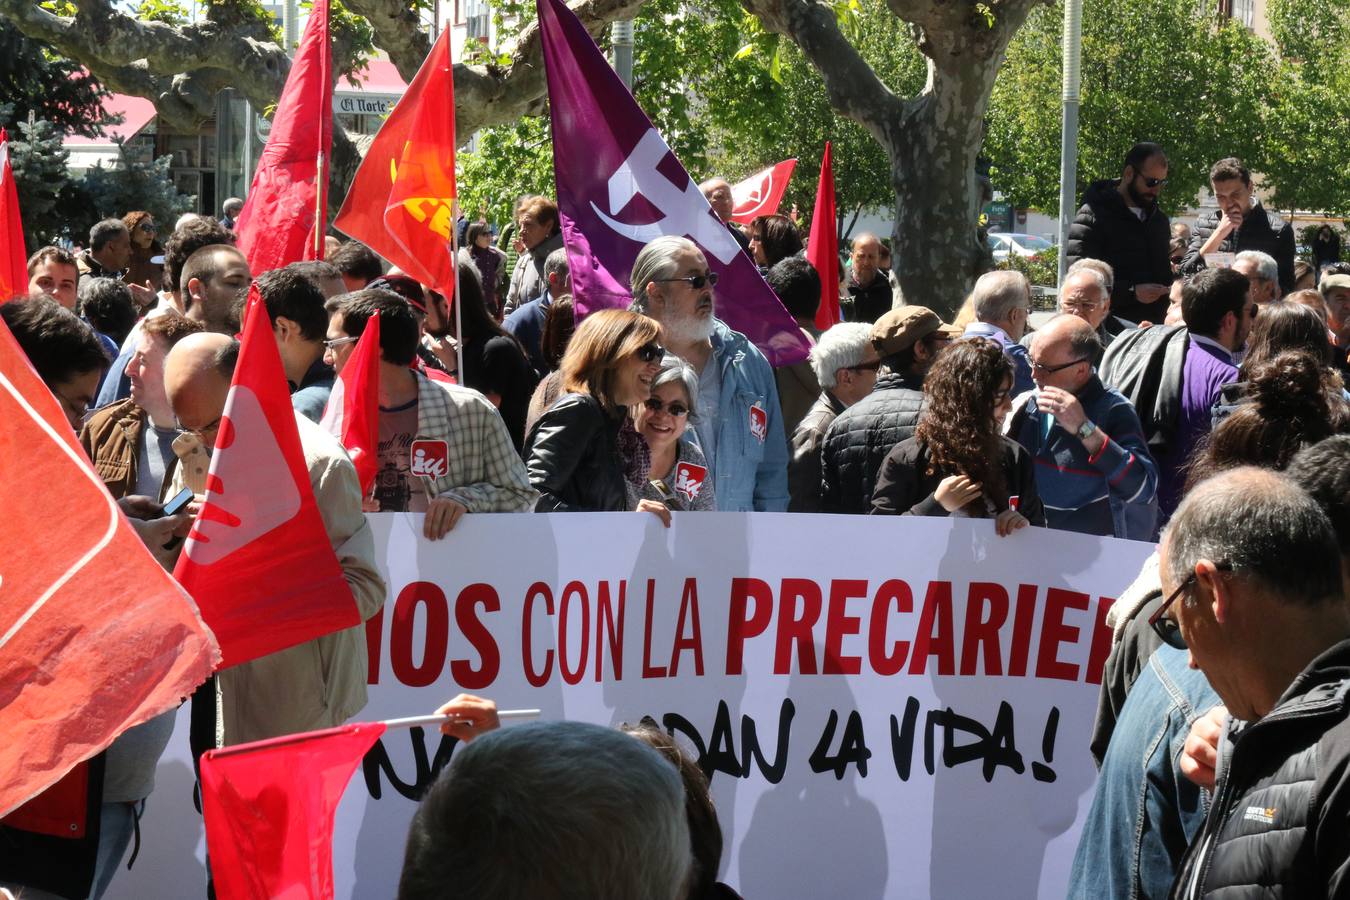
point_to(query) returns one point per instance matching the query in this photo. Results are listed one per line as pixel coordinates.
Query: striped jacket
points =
(1112, 493)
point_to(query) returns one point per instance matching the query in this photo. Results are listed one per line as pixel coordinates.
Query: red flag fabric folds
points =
(95, 637)
(269, 809)
(13, 259)
(823, 247)
(402, 201)
(258, 560)
(353, 412)
(761, 193)
(285, 203)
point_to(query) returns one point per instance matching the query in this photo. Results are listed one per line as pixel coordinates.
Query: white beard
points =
(691, 329)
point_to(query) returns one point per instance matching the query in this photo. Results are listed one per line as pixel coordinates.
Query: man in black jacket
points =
(1240, 223)
(1121, 224)
(1251, 568)
(908, 340)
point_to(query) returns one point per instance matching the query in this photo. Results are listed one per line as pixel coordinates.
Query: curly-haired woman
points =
(957, 463)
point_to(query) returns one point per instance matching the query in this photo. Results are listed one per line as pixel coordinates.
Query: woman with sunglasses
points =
(579, 454)
(957, 463)
(145, 269)
(679, 475)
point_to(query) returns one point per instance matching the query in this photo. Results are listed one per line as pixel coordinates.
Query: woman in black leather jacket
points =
(575, 451)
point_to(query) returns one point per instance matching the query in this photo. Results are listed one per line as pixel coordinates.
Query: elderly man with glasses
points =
(1093, 468)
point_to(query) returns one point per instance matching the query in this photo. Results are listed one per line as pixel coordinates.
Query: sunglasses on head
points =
(650, 353)
(675, 407)
(694, 281)
(1165, 627)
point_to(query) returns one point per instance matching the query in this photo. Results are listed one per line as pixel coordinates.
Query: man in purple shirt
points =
(1218, 316)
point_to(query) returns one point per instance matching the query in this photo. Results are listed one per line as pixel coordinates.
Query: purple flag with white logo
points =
(620, 186)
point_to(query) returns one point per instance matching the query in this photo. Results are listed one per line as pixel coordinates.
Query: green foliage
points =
(49, 200)
(131, 185)
(509, 162)
(1042, 270)
(1160, 70)
(34, 80)
(246, 11)
(170, 12)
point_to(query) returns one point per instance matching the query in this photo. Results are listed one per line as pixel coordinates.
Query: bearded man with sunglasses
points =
(1120, 223)
(739, 422)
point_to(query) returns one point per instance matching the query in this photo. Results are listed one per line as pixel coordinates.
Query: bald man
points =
(868, 284)
(321, 683)
(1093, 469)
(718, 194)
(213, 284)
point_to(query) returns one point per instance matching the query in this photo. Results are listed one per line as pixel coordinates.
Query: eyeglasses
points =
(694, 281)
(1167, 628)
(76, 408)
(1254, 311)
(147, 226)
(1153, 182)
(675, 407)
(1050, 370)
(865, 367)
(200, 433)
(338, 342)
(1076, 306)
(651, 353)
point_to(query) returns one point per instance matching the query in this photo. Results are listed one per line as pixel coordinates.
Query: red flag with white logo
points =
(353, 412)
(269, 808)
(95, 637)
(402, 201)
(285, 211)
(822, 249)
(761, 193)
(258, 560)
(13, 261)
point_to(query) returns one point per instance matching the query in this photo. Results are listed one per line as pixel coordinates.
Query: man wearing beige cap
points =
(908, 340)
(1335, 290)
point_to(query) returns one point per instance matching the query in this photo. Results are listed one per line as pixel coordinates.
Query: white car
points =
(1003, 243)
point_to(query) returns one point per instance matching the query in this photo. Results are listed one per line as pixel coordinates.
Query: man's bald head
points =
(197, 373)
(865, 257)
(718, 193)
(1064, 340)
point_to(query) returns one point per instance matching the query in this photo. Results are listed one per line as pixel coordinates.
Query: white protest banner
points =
(890, 707)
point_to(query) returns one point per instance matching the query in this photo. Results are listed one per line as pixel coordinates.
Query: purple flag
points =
(620, 186)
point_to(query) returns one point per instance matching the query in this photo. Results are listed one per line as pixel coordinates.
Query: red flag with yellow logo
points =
(402, 201)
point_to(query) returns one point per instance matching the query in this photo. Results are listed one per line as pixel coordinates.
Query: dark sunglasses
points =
(694, 281)
(675, 408)
(865, 367)
(1153, 182)
(1050, 370)
(1166, 628)
(650, 353)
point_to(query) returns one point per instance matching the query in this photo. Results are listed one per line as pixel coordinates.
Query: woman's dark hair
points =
(705, 832)
(559, 324)
(106, 304)
(1285, 326)
(477, 322)
(475, 231)
(958, 425)
(778, 237)
(1292, 400)
(59, 344)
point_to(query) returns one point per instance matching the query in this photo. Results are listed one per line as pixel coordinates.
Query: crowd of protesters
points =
(1188, 392)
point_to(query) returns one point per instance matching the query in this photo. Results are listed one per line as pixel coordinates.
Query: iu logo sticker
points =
(689, 480)
(759, 423)
(430, 459)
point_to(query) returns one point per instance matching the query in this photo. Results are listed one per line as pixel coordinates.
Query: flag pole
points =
(454, 263)
(414, 721)
(321, 188)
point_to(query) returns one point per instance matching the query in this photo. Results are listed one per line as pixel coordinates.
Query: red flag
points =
(95, 637)
(258, 561)
(762, 192)
(13, 260)
(353, 412)
(822, 249)
(286, 202)
(402, 201)
(269, 809)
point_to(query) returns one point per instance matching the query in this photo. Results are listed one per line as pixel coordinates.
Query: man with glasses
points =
(1252, 568)
(908, 341)
(443, 449)
(1240, 223)
(1120, 223)
(1090, 298)
(739, 423)
(1094, 472)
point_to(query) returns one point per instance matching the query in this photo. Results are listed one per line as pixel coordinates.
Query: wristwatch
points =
(1085, 430)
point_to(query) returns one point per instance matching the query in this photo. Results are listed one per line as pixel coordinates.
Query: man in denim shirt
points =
(739, 424)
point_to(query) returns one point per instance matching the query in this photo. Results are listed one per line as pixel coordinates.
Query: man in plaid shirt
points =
(443, 449)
